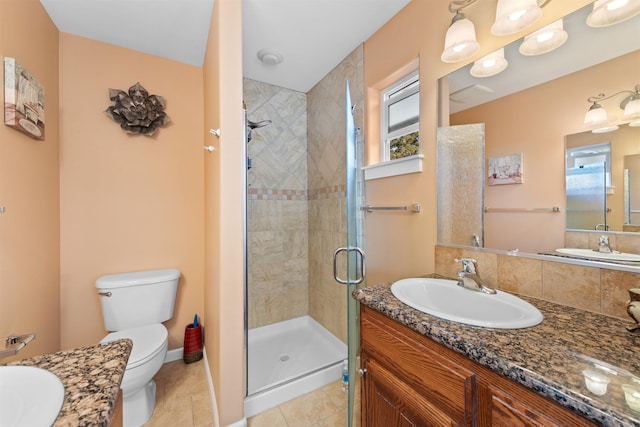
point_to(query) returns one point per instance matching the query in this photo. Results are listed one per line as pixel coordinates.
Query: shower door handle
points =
(335, 265)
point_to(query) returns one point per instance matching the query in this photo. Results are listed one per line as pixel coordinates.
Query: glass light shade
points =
(632, 109)
(490, 65)
(596, 116)
(605, 129)
(460, 41)
(611, 12)
(544, 40)
(513, 16)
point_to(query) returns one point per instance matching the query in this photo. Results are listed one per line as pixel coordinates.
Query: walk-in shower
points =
(296, 312)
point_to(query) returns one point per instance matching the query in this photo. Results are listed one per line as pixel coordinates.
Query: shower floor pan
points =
(288, 359)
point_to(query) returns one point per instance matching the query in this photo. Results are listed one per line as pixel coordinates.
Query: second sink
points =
(29, 396)
(445, 299)
(589, 253)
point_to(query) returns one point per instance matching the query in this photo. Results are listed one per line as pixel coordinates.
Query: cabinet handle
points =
(362, 372)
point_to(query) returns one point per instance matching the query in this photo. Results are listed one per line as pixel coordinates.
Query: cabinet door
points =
(420, 365)
(389, 402)
(521, 408)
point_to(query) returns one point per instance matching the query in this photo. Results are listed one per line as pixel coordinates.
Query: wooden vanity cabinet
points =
(117, 420)
(411, 380)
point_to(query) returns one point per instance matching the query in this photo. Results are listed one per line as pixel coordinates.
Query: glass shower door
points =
(353, 253)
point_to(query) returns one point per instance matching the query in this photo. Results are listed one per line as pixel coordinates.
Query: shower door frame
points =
(354, 251)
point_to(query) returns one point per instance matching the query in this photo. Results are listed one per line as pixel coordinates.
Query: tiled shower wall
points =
(296, 207)
(327, 179)
(277, 212)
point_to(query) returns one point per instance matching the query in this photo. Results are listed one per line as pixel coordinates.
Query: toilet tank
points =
(138, 298)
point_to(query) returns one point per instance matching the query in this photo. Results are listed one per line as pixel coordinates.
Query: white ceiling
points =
(174, 29)
(312, 35)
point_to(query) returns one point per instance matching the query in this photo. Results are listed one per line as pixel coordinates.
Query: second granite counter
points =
(91, 377)
(548, 359)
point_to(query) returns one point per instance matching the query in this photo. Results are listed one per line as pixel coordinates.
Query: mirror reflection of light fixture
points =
(597, 116)
(460, 41)
(513, 16)
(544, 40)
(631, 104)
(489, 65)
(611, 12)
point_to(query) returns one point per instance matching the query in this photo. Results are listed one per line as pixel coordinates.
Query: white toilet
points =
(133, 306)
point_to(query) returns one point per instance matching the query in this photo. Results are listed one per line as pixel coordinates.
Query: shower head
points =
(256, 125)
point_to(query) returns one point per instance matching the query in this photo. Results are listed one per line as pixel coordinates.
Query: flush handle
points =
(104, 294)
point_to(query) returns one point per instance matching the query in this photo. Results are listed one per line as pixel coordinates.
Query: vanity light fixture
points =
(460, 41)
(490, 65)
(544, 40)
(513, 16)
(597, 115)
(611, 12)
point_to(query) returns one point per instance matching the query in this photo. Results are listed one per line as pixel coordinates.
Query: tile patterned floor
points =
(182, 396)
(325, 407)
(182, 399)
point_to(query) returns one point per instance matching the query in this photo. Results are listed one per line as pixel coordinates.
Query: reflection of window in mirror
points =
(400, 118)
(579, 157)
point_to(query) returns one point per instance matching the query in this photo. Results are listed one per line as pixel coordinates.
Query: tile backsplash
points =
(595, 289)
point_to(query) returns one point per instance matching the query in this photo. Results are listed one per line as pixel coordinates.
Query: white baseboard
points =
(173, 355)
(177, 354)
(241, 423)
(212, 392)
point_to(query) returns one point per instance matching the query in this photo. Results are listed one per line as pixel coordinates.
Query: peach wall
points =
(417, 31)
(29, 190)
(128, 202)
(560, 105)
(224, 199)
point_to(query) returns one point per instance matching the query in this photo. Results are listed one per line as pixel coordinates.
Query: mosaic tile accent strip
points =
(333, 192)
(275, 194)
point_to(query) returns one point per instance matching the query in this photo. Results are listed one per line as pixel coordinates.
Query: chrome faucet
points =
(603, 245)
(469, 277)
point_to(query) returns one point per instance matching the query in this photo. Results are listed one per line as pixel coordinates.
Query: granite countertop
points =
(91, 377)
(547, 359)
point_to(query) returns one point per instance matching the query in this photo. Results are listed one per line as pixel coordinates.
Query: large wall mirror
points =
(529, 112)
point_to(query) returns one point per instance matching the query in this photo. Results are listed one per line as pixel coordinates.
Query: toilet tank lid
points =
(137, 278)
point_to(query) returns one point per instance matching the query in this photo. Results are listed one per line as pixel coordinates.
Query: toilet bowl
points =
(147, 356)
(123, 313)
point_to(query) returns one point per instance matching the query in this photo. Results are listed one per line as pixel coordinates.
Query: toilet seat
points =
(148, 341)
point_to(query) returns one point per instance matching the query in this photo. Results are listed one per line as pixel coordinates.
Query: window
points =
(401, 119)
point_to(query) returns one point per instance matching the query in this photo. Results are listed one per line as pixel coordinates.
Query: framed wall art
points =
(505, 170)
(23, 100)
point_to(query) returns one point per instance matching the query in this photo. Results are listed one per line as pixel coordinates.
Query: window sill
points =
(407, 165)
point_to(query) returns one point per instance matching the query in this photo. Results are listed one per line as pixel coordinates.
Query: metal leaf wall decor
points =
(137, 111)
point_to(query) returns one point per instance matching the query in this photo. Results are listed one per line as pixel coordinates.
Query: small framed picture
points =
(505, 170)
(23, 100)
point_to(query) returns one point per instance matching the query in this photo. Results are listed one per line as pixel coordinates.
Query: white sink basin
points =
(589, 253)
(29, 396)
(445, 299)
